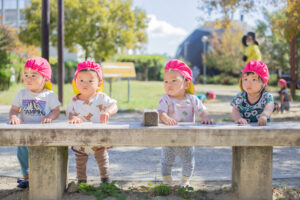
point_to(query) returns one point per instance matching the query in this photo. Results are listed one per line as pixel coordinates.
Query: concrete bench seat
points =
(251, 156)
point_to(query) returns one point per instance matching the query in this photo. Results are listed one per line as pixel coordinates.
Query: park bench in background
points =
(251, 155)
(118, 70)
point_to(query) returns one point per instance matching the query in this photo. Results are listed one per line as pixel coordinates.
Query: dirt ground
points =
(283, 189)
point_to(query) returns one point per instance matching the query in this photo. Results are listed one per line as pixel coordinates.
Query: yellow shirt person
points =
(252, 50)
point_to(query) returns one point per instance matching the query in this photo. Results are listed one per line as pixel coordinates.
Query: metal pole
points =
(110, 86)
(60, 50)
(129, 91)
(3, 12)
(18, 14)
(204, 66)
(45, 28)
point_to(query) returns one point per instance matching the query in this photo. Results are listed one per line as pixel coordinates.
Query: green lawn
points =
(143, 94)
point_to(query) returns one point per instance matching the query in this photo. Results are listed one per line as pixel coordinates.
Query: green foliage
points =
(273, 79)
(70, 68)
(102, 191)
(186, 192)
(101, 28)
(148, 67)
(275, 49)
(223, 79)
(5, 45)
(162, 190)
(226, 52)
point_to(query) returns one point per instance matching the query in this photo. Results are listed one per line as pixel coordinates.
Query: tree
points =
(101, 27)
(275, 49)
(226, 50)
(289, 26)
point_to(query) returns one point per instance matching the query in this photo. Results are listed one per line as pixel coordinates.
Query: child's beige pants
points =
(102, 161)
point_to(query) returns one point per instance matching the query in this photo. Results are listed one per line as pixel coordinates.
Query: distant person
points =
(252, 47)
(210, 95)
(90, 105)
(196, 74)
(285, 96)
(36, 103)
(254, 103)
(179, 104)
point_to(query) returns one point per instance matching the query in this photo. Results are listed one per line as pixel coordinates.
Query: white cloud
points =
(159, 28)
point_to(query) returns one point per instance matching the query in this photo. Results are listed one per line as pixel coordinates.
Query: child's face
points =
(175, 84)
(87, 82)
(280, 85)
(251, 83)
(33, 80)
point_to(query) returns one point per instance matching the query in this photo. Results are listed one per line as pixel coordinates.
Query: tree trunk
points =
(293, 63)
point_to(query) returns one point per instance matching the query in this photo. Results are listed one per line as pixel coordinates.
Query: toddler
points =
(35, 103)
(90, 105)
(254, 103)
(179, 104)
(285, 96)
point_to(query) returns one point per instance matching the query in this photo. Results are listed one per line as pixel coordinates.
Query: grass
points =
(143, 94)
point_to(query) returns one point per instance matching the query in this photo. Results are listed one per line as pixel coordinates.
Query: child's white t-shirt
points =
(34, 106)
(181, 110)
(90, 110)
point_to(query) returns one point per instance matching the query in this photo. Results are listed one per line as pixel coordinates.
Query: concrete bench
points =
(251, 156)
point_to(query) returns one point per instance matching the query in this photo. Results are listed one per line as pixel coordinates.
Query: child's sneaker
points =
(23, 183)
(168, 180)
(185, 181)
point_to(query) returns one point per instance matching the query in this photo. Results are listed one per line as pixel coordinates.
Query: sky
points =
(170, 22)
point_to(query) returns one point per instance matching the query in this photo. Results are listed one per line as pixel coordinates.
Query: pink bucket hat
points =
(89, 65)
(259, 68)
(282, 81)
(42, 66)
(184, 70)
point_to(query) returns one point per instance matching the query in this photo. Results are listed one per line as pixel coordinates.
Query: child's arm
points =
(236, 115)
(262, 121)
(109, 111)
(163, 116)
(281, 98)
(205, 118)
(291, 98)
(13, 115)
(53, 114)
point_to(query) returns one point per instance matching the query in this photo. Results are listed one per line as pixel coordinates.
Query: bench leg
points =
(252, 172)
(48, 172)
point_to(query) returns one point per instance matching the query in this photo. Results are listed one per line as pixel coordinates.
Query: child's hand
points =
(241, 121)
(14, 120)
(104, 117)
(207, 120)
(262, 120)
(170, 121)
(46, 120)
(75, 120)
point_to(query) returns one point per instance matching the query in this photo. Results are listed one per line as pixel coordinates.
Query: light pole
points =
(204, 41)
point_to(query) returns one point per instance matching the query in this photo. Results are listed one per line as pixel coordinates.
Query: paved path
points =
(135, 163)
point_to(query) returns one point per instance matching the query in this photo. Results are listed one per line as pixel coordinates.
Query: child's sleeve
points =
(198, 106)
(70, 108)
(163, 104)
(236, 101)
(268, 98)
(53, 101)
(18, 99)
(107, 101)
